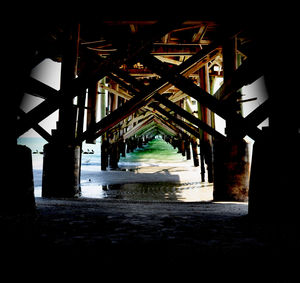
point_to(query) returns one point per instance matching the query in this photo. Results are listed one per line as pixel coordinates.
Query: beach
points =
(154, 173)
(147, 219)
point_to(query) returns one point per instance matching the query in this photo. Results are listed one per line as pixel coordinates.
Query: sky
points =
(48, 72)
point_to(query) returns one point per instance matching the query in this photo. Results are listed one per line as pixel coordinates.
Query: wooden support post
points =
(187, 148)
(67, 111)
(195, 152)
(122, 147)
(114, 155)
(104, 153)
(61, 170)
(231, 157)
(202, 167)
(80, 118)
(23, 187)
(92, 109)
(205, 140)
(182, 148)
(231, 170)
(61, 166)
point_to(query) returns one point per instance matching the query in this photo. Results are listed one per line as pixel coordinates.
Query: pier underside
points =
(126, 82)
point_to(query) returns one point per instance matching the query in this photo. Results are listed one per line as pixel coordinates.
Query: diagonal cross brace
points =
(202, 96)
(79, 85)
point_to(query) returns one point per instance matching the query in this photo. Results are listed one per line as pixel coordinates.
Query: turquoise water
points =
(36, 144)
(156, 151)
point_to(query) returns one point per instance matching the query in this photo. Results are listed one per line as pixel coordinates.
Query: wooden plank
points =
(39, 89)
(170, 124)
(190, 117)
(137, 127)
(177, 121)
(249, 71)
(200, 95)
(137, 85)
(42, 132)
(91, 118)
(139, 42)
(259, 114)
(66, 126)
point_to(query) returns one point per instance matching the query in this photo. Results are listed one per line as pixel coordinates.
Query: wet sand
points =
(149, 239)
(152, 183)
(142, 175)
(130, 238)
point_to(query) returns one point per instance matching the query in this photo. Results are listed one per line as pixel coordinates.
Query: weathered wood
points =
(179, 122)
(43, 133)
(205, 140)
(104, 153)
(92, 109)
(66, 170)
(173, 106)
(248, 72)
(137, 127)
(67, 113)
(171, 125)
(195, 152)
(39, 89)
(259, 114)
(138, 42)
(200, 95)
(231, 170)
(184, 67)
(191, 118)
(80, 118)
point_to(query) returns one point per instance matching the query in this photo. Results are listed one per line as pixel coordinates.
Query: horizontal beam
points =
(245, 74)
(190, 117)
(39, 89)
(138, 43)
(177, 121)
(200, 95)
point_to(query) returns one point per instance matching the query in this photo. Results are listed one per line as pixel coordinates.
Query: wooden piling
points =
(231, 156)
(61, 165)
(195, 152)
(104, 153)
(92, 109)
(61, 170)
(22, 184)
(205, 139)
(67, 111)
(231, 170)
(187, 148)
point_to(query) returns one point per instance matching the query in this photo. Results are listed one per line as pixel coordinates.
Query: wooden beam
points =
(42, 132)
(137, 127)
(259, 114)
(139, 42)
(119, 93)
(170, 124)
(92, 108)
(199, 35)
(190, 117)
(177, 121)
(200, 95)
(39, 89)
(247, 73)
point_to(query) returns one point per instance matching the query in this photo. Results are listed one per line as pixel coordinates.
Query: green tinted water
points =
(156, 151)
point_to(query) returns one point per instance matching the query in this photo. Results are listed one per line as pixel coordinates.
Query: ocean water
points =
(36, 144)
(156, 154)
